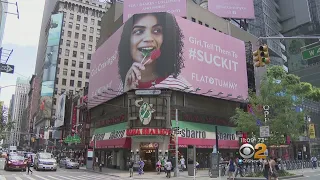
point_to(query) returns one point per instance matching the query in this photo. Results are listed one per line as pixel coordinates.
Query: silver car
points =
(69, 163)
(45, 161)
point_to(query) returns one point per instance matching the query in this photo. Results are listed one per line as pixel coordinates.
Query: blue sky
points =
(21, 35)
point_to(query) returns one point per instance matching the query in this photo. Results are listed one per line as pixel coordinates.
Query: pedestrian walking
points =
(273, 170)
(141, 166)
(29, 162)
(266, 168)
(131, 163)
(168, 167)
(314, 162)
(231, 168)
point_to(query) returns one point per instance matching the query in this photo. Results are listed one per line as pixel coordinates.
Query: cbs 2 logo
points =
(258, 151)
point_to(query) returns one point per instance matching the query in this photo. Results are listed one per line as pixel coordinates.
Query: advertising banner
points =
(160, 50)
(51, 56)
(176, 7)
(238, 9)
(312, 132)
(60, 111)
(74, 120)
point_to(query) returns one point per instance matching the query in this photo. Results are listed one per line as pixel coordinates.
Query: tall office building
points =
(20, 103)
(76, 42)
(267, 22)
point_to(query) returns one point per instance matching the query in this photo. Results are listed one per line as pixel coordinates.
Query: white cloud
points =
(24, 31)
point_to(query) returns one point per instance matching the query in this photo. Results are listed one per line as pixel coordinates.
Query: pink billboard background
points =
(238, 9)
(214, 65)
(176, 7)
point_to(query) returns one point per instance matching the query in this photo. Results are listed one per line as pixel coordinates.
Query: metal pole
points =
(94, 153)
(177, 146)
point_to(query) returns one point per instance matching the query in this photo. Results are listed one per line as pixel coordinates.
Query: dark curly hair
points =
(171, 60)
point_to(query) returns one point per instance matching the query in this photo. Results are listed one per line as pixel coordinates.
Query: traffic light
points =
(264, 54)
(261, 56)
(256, 58)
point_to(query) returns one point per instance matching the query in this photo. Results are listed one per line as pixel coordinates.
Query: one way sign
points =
(7, 68)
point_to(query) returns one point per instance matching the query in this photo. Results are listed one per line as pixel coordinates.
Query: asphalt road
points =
(60, 174)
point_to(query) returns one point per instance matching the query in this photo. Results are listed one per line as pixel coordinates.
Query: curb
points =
(258, 178)
(112, 175)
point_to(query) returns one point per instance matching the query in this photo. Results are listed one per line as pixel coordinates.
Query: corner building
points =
(118, 133)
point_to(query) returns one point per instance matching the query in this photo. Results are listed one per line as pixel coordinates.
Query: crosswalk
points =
(44, 176)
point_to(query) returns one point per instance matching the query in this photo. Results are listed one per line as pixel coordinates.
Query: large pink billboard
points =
(238, 9)
(160, 50)
(176, 7)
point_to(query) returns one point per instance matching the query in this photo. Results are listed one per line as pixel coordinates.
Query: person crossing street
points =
(29, 162)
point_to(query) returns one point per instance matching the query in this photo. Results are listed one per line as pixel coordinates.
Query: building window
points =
(84, 28)
(64, 23)
(78, 18)
(91, 30)
(66, 62)
(74, 54)
(71, 16)
(84, 37)
(80, 64)
(99, 23)
(86, 84)
(85, 19)
(193, 19)
(60, 50)
(87, 75)
(66, 53)
(75, 45)
(64, 82)
(200, 22)
(79, 84)
(69, 33)
(65, 71)
(76, 35)
(89, 56)
(97, 39)
(98, 32)
(71, 91)
(81, 55)
(77, 26)
(92, 21)
(73, 72)
(83, 46)
(73, 63)
(71, 83)
(91, 38)
(88, 65)
(58, 70)
(70, 25)
(90, 47)
(80, 74)
(59, 59)
(61, 41)
(55, 90)
(68, 43)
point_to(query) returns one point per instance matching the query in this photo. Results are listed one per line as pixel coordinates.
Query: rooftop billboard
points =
(237, 9)
(176, 7)
(159, 50)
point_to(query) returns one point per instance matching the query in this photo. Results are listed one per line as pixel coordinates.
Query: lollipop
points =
(154, 55)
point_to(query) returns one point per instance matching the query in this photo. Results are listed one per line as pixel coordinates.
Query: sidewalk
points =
(201, 175)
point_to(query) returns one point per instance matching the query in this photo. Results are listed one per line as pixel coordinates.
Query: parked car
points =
(69, 163)
(15, 162)
(45, 161)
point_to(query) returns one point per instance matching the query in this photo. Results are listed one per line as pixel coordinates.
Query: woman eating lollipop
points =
(150, 52)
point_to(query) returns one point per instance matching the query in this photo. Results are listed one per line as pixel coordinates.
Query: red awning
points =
(113, 143)
(208, 143)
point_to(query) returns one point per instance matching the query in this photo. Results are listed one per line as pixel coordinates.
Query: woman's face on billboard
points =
(146, 36)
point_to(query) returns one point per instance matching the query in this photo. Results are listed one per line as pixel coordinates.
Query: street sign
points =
(7, 68)
(264, 131)
(311, 53)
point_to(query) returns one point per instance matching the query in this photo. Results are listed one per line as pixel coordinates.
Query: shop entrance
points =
(149, 154)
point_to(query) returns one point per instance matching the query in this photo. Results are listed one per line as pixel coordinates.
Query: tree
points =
(283, 93)
(5, 123)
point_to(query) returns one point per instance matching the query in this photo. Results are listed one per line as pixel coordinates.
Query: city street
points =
(60, 174)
